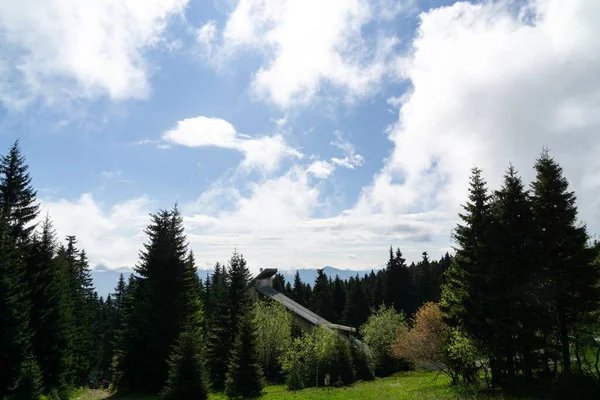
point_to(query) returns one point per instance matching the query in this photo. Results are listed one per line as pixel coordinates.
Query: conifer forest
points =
(515, 305)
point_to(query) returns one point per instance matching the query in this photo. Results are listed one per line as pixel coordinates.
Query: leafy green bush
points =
(379, 333)
(364, 364)
(461, 356)
(312, 357)
(273, 336)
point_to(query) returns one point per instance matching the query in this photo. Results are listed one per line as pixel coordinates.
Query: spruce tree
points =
(298, 292)
(49, 336)
(17, 197)
(569, 275)
(238, 299)
(339, 299)
(399, 289)
(515, 272)
(15, 337)
(244, 375)
(357, 309)
(322, 299)
(167, 295)
(218, 342)
(186, 380)
(468, 296)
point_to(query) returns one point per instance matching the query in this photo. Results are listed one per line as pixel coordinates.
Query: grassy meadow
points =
(422, 385)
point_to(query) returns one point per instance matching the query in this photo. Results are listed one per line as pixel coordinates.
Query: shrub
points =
(313, 356)
(273, 337)
(364, 365)
(379, 333)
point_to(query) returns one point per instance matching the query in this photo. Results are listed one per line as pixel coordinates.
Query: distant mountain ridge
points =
(105, 280)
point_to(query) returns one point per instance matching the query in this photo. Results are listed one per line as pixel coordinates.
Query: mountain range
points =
(105, 279)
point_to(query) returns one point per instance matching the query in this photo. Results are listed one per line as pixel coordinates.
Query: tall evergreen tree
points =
(218, 342)
(356, 310)
(49, 336)
(238, 299)
(17, 197)
(244, 376)
(168, 294)
(570, 276)
(468, 297)
(322, 297)
(339, 298)
(15, 338)
(186, 379)
(515, 272)
(399, 291)
(298, 291)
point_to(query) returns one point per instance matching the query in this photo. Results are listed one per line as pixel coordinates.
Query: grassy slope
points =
(403, 386)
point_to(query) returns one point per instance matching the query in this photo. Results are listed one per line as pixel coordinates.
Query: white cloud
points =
(264, 153)
(61, 49)
(492, 87)
(111, 238)
(351, 158)
(206, 36)
(488, 88)
(320, 169)
(308, 44)
(390, 9)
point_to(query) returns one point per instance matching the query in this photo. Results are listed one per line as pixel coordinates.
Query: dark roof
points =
(301, 311)
(266, 273)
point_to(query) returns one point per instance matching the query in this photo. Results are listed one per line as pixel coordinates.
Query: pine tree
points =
(15, 337)
(186, 380)
(339, 298)
(570, 276)
(298, 292)
(322, 299)
(17, 196)
(399, 289)
(514, 274)
(244, 376)
(49, 336)
(29, 381)
(468, 297)
(218, 342)
(238, 299)
(165, 302)
(357, 309)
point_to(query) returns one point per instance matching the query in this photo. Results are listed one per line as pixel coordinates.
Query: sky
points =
(302, 133)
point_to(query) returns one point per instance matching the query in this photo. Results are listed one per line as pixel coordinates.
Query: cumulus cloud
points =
(111, 236)
(264, 153)
(491, 85)
(320, 169)
(58, 49)
(307, 44)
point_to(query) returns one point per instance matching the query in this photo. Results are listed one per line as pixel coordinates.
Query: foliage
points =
(424, 342)
(244, 376)
(273, 336)
(29, 381)
(379, 333)
(186, 380)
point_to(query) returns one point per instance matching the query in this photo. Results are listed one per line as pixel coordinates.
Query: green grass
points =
(402, 386)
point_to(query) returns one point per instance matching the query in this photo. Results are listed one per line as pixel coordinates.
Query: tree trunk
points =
(564, 341)
(546, 357)
(527, 367)
(510, 358)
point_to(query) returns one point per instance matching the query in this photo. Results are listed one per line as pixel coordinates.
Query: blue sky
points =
(301, 132)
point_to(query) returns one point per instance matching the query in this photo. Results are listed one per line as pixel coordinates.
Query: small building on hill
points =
(262, 285)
